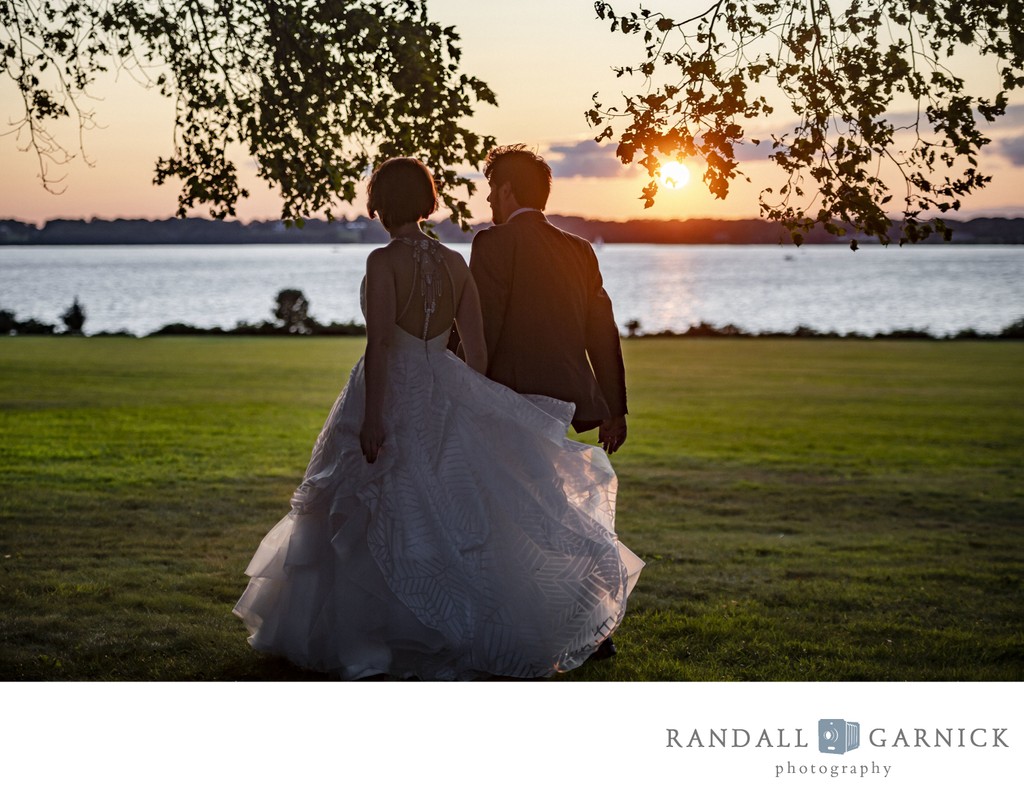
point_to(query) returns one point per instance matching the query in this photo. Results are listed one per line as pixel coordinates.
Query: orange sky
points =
(544, 76)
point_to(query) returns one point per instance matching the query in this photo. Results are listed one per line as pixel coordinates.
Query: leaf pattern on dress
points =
(481, 541)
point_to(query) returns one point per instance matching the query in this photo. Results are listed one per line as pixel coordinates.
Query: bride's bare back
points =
(429, 280)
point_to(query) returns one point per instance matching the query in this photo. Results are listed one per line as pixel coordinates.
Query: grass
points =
(808, 509)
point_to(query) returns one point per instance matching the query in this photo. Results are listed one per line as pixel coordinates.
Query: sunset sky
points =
(544, 60)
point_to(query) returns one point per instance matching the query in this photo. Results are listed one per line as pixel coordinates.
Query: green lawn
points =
(808, 509)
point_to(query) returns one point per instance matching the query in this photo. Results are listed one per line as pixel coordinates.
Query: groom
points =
(548, 321)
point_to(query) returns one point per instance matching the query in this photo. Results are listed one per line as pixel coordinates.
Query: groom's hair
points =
(526, 170)
(401, 190)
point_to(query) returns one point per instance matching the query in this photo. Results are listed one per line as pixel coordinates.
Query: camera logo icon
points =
(837, 737)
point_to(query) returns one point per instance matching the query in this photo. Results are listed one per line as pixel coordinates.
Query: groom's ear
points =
(505, 192)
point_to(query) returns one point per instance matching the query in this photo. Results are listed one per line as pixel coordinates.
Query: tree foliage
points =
(316, 91)
(291, 311)
(842, 68)
(74, 318)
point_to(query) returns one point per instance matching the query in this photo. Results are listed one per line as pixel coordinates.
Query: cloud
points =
(1014, 117)
(586, 159)
(748, 151)
(1012, 148)
(590, 159)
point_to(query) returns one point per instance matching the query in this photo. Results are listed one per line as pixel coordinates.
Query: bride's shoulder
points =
(458, 269)
(380, 260)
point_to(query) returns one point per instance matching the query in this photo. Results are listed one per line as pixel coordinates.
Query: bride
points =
(445, 527)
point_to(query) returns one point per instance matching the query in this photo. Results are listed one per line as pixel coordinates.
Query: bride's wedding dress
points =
(481, 541)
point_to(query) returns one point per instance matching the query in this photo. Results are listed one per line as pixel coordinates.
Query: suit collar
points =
(518, 211)
(526, 214)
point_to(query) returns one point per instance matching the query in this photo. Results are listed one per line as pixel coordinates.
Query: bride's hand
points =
(371, 438)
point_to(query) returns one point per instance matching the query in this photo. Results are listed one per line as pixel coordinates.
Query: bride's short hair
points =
(525, 169)
(401, 190)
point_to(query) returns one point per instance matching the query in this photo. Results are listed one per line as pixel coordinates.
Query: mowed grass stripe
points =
(809, 509)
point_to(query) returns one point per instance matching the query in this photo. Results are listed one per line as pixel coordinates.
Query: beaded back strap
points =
(426, 273)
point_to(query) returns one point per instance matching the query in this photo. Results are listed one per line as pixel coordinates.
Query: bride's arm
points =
(470, 322)
(380, 324)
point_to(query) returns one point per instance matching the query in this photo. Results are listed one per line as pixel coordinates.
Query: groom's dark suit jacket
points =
(547, 318)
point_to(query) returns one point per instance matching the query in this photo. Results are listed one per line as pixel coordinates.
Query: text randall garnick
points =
(775, 738)
(784, 738)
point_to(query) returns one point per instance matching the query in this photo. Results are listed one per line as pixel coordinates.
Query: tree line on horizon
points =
(361, 230)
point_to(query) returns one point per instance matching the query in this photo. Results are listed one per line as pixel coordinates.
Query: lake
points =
(940, 288)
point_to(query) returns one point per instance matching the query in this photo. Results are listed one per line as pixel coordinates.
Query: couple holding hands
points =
(446, 526)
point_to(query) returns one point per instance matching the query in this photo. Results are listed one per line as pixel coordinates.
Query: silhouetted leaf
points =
(841, 70)
(316, 92)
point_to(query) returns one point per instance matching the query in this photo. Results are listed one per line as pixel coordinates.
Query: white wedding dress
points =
(481, 542)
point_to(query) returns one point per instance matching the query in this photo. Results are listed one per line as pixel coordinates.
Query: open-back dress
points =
(480, 543)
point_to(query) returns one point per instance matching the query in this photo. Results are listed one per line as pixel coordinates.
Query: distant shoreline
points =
(361, 230)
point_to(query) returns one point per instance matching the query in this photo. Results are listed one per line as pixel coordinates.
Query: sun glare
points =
(673, 175)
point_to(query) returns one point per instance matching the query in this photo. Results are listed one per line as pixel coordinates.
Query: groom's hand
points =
(612, 433)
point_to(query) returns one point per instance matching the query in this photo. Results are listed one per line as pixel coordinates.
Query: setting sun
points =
(673, 175)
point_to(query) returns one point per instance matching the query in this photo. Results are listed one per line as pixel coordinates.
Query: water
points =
(940, 288)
